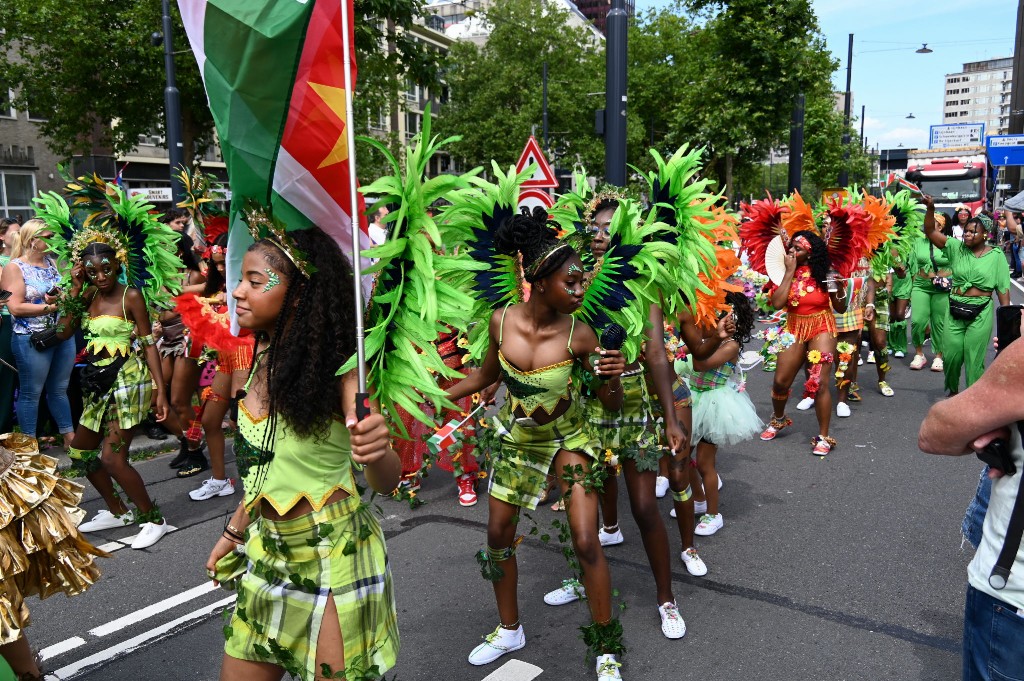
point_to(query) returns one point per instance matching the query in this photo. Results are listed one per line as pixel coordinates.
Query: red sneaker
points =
(467, 489)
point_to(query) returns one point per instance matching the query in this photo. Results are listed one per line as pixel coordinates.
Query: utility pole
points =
(617, 26)
(172, 111)
(544, 119)
(1016, 123)
(844, 172)
(796, 144)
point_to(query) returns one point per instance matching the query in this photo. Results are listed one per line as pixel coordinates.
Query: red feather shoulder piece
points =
(882, 221)
(762, 223)
(846, 235)
(208, 322)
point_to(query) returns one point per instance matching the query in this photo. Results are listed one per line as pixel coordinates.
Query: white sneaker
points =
(608, 668)
(694, 565)
(720, 483)
(672, 513)
(937, 364)
(672, 624)
(699, 508)
(709, 524)
(805, 404)
(212, 487)
(660, 486)
(150, 534)
(871, 357)
(899, 354)
(570, 591)
(842, 410)
(918, 362)
(860, 361)
(496, 644)
(610, 538)
(105, 520)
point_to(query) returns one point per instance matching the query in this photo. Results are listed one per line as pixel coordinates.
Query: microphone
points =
(612, 338)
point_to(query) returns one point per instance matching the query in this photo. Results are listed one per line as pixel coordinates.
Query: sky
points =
(888, 76)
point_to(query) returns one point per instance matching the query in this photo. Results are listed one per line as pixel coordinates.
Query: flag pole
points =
(362, 396)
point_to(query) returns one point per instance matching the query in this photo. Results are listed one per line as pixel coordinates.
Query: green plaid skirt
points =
(127, 401)
(632, 432)
(524, 454)
(294, 566)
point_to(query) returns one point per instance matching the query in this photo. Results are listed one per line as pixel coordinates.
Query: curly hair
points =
(743, 313)
(313, 337)
(531, 235)
(817, 259)
(214, 279)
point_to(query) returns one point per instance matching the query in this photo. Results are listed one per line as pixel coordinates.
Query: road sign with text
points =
(1006, 150)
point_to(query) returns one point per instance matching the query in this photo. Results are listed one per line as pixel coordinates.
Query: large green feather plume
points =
(471, 220)
(419, 289)
(681, 202)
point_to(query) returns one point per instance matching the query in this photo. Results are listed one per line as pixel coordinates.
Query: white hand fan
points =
(775, 260)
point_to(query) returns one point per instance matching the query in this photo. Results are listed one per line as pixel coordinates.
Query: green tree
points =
(496, 89)
(90, 67)
(730, 74)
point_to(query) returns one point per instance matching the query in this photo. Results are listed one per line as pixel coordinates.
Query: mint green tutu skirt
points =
(724, 416)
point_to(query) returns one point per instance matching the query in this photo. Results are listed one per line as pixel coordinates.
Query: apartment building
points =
(596, 11)
(980, 94)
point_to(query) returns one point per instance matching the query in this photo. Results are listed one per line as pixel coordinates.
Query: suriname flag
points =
(275, 78)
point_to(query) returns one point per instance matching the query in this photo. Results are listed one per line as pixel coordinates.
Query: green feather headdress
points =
(473, 218)
(416, 285)
(631, 276)
(682, 205)
(145, 247)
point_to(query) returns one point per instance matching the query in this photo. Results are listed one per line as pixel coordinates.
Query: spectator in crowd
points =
(377, 232)
(32, 278)
(8, 376)
(993, 627)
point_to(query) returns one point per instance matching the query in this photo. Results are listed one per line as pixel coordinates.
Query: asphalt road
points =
(848, 567)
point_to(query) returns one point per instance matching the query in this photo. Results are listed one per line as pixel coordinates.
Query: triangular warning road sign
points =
(544, 175)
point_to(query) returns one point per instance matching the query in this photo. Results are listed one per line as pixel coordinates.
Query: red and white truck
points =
(953, 176)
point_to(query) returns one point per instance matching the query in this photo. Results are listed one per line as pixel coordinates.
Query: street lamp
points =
(924, 49)
(910, 115)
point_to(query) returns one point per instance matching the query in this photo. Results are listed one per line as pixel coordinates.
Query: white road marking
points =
(61, 648)
(1017, 284)
(70, 671)
(515, 670)
(155, 609)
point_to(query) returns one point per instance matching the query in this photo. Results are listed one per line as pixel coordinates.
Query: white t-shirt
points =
(377, 234)
(1004, 492)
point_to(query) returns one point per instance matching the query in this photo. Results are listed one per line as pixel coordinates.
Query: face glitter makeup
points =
(272, 280)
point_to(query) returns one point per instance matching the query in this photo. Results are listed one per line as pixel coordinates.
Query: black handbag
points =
(45, 339)
(941, 284)
(97, 380)
(966, 312)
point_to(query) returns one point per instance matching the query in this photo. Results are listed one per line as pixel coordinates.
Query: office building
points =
(980, 94)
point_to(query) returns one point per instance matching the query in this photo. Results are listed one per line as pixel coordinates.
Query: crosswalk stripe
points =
(71, 670)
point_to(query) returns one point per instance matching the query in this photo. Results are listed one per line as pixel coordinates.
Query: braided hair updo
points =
(530, 234)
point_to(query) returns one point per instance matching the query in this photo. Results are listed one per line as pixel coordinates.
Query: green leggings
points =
(928, 307)
(965, 345)
(897, 339)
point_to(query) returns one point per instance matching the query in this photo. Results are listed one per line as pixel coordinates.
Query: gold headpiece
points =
(535, 267)
(91, 235)
(263, 228)
(596, 200)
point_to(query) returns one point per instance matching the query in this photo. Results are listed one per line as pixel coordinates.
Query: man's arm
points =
(952, 425)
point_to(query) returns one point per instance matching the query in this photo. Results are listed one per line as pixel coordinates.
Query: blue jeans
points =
(993, 632)
(49, 369)
(976, 510)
